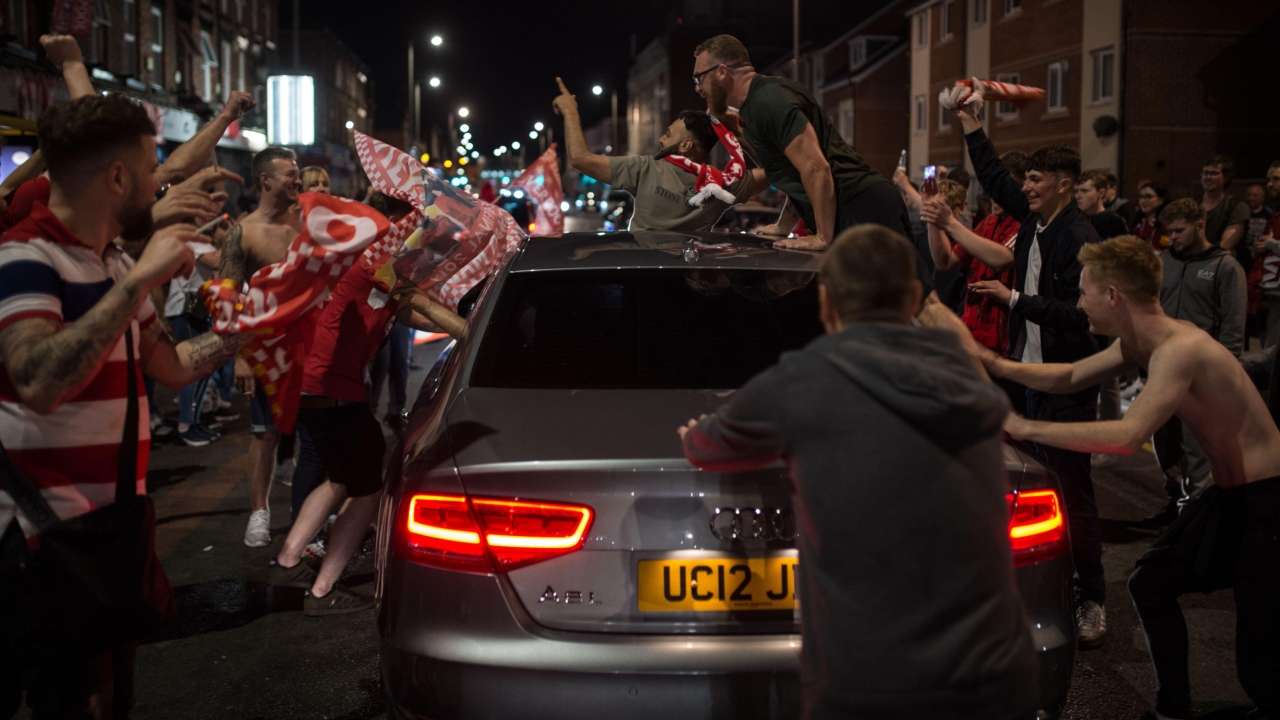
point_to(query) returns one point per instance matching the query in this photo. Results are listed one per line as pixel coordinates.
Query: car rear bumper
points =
(462, 646)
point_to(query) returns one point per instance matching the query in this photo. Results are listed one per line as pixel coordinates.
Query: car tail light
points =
(482, 534)
(1037, 526)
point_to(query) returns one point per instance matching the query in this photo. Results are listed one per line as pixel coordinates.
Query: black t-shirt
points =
(775, 112)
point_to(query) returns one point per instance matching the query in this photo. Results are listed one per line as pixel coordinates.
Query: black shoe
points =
(301, 575)
(339, 601)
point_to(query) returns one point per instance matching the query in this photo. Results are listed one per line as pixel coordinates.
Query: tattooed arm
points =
(188, 361)
(48, 363)
(235, 260)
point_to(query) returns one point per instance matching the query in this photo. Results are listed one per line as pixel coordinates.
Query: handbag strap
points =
(25, 495)
(127, 458)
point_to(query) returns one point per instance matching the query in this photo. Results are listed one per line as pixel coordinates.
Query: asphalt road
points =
(241, 650)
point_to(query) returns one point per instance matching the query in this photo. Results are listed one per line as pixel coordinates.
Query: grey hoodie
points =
(1206, 289)
(906, 580)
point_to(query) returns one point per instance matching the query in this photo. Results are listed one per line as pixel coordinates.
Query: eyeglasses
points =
(697, 77)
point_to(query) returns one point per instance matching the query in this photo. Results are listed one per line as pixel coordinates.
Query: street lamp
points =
(436, 41)
(538, 126)
(515, 145)
(350, 125)
(434, 81)
(597, 90)
(464, 128)
(533, 135)
(464, 112)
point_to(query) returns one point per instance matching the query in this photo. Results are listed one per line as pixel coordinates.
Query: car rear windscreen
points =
(644, 328)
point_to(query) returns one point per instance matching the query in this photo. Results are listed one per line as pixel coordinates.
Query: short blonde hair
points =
(311, 174)
(726, 49)
(1128, 262)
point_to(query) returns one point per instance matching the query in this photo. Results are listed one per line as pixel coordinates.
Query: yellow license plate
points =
(717, 584)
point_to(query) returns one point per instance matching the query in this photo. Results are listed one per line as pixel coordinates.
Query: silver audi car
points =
(545, 551)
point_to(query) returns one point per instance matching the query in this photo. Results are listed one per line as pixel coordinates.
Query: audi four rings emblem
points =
(753, 523)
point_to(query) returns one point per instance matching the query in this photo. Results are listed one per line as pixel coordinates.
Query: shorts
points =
(260, 421)
(349, 440)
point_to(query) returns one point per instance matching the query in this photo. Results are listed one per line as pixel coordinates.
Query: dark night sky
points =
(500, 58)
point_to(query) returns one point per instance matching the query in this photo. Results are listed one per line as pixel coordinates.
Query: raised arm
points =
(939, 216)
(580, 157)
(64, 52)
(1168, 380)
(196, 152)
(420, 310)
(1060, 378)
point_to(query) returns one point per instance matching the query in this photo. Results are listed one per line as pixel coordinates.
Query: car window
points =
(644, 328)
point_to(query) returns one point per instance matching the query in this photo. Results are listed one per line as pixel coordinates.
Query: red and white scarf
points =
(712, 180)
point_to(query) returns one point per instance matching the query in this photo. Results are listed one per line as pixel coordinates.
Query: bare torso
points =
(1222, 406)
(266, 239)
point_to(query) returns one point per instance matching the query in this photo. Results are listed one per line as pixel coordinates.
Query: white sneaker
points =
(258, 532)
(1091, 624)
(315, 549)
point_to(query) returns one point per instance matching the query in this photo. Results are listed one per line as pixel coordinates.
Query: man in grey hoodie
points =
(1204, 285)
(893, 443)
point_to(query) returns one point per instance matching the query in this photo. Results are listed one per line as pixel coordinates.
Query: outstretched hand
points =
(566, 103)
(685, 428)
(61, 49)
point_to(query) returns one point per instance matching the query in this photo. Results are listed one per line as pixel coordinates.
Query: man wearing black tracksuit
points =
(1046, 326)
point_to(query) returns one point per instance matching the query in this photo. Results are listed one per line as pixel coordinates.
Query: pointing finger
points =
(560, 83)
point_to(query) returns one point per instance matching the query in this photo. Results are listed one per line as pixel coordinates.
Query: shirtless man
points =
(263, 238)
(1229, 536)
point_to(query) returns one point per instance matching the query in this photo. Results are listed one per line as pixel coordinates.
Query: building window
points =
(944, 118)
(16, 20)
(1007, 110)
(845, 114)
(922, 120)
(945, 29)
(1104, 74)
(922, 29)
(129, 20)
(979, 11)
(1012, 7)
(100, 40)
(227, 63)
(155, 63)
(1055, 90)
(208, 66)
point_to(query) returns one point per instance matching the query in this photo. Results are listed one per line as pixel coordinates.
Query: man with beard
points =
(77, 331)
(787, 134)
(260, 239)
(662, 190)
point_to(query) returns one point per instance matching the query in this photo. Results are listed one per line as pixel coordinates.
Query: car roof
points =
(653, 250)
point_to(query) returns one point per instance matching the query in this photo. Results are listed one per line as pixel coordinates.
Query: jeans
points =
(1075, 477)
(392, 359)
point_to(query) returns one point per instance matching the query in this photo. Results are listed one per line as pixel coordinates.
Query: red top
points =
(1152, 231)
(348, 333)
(24, 199)
(986, 317)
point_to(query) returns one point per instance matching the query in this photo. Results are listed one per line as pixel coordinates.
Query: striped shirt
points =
(70, 453)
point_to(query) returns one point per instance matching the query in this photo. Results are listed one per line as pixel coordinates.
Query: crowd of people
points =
(1014, 301)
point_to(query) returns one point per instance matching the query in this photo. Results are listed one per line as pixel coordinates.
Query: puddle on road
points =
(225, 604)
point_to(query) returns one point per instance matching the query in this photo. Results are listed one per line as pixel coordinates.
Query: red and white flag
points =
(541, 181)
(711, 180)
(283, 299)
(462, 240)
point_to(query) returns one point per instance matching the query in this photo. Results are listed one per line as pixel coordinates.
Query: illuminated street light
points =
(464, 128)
(426, 158)
(475, 154)
(464, 112)
(436, 41)
(461, 150)
(350, 125)
(597, 90)
(533, 135)
(515, 145)
(434, 81)
(448, 164)
(538, 126)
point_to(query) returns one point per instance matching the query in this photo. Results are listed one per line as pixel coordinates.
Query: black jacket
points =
(908, 603)
(1064, 328)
